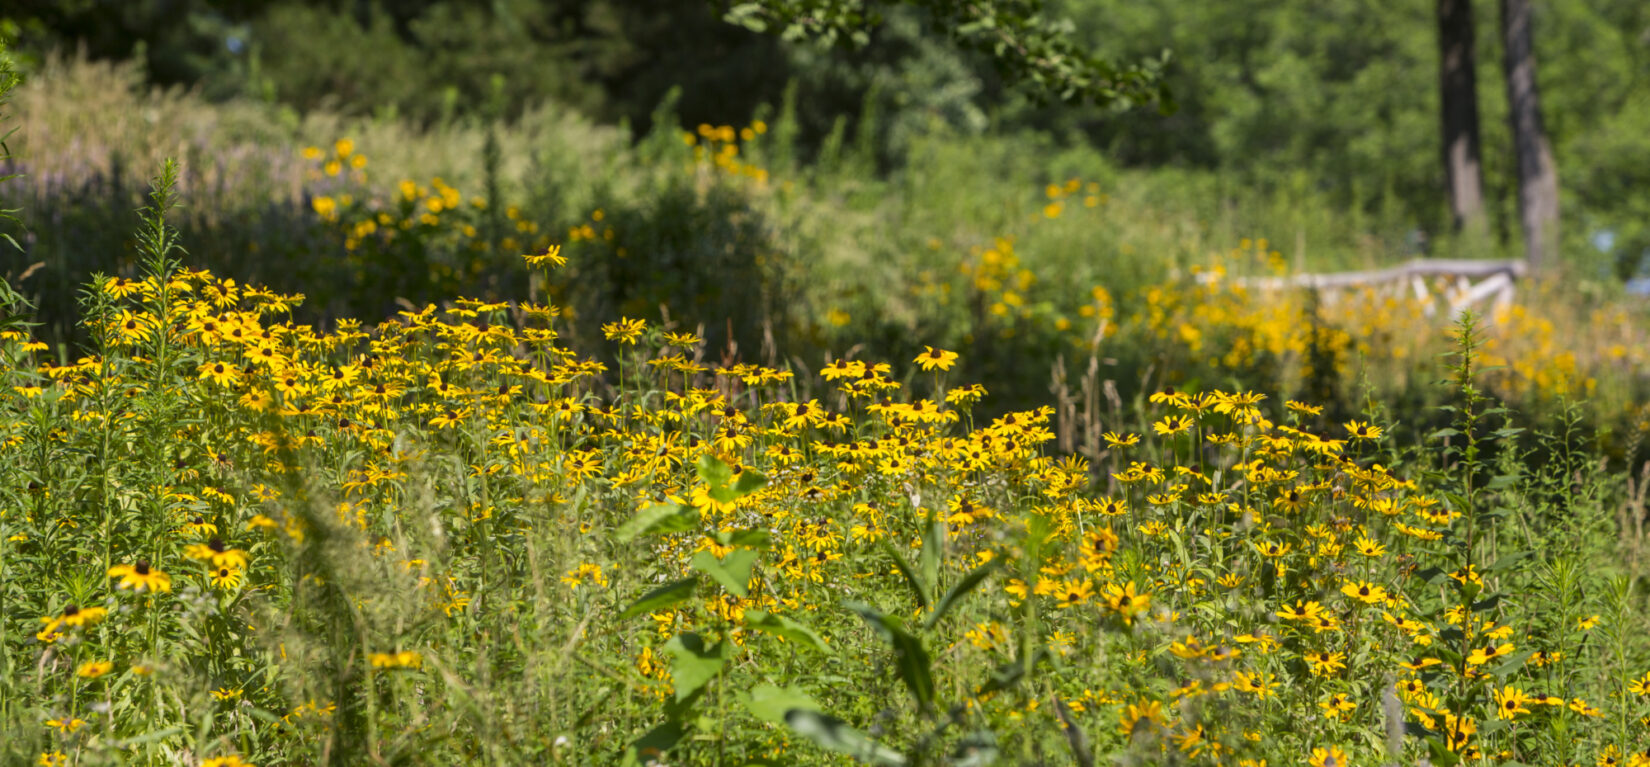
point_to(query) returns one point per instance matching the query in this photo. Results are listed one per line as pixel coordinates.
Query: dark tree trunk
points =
(1537, 174)
(1458, 92)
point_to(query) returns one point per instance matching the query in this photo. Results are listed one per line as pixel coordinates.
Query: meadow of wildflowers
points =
(546, 526)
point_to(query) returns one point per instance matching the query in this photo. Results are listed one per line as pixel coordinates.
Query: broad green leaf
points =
(911, 578)
(713, 472)
(771, 704)
(732, 571)
(911, 659)
(693, 665)
(750, 481)
(654, 744)
(658, 518)
(781, 626)
(750, 539)
(1513, 663)
(660, 598)
(968, 583)
(832, 733)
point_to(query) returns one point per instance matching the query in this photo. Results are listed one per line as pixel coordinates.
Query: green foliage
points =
(1015, 35)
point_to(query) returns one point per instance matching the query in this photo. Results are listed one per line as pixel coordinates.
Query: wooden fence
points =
(1460, 283)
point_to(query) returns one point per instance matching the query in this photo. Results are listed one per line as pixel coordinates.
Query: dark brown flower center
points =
(142, 567)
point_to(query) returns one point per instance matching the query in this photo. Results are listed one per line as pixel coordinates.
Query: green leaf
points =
(660, 598)
(911, 659)
(834, 734)
(750, 481)
(713, 472)
(1487, 603)
(732, 571)
(1508, 561)
(910, 575)
(770, 704)
(654, 744)
(658, 518)
(977, 749)
(781, 626)
(693, 665)
(968, 583)
(1513, 663)
(750, 539)
(933, 549)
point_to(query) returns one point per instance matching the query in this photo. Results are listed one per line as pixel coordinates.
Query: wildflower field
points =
(551, 524)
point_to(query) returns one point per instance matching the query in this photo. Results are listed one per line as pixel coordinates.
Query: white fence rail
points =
(1460, 283)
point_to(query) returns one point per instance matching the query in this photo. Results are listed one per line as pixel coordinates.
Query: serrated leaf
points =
(832, 733)
(732, 571)
(781, 626)
(656, 519)
(660, 598)
(771, 704)
(962, 588)
(693, 664)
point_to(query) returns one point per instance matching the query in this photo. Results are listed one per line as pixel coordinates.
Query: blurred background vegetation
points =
(888, 191)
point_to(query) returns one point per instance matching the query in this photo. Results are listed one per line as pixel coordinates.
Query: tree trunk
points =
(1537, 174)
(1458, 92)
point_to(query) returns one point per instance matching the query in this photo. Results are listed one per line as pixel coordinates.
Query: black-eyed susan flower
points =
(230, 760)
(141, 577)
(1113, 439)
(407, 659)
(227, 578)
(1324, 663)
(1361, 430)
(217, 554)
(1300, 611)
(94, 669)
(220, 373)
(1140, 718)
(1327, 757)
(1173, 424)
(1072, 593)
(1509, 702)
(1338, 706)
(1127, 601)
(935, 359)
(1482, 655)
(1364, 591)
(66, 725)
(625, 330)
